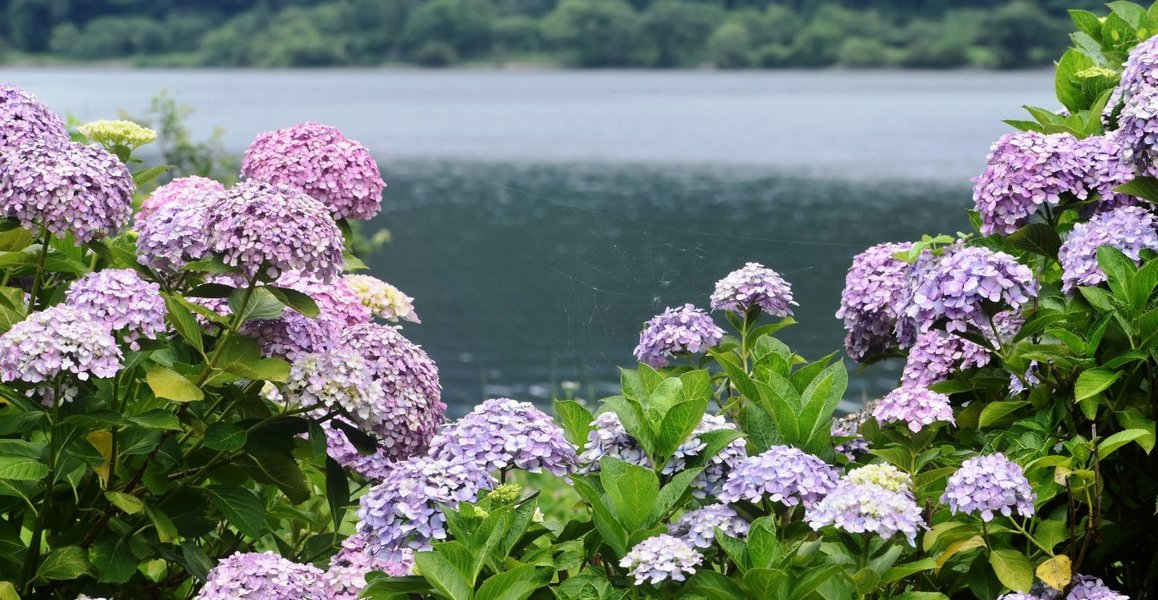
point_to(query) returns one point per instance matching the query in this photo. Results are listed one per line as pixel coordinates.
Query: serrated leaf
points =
(995, 412)
(225, 437)
(576, 421)
(22, 468)
(183, 321)
(295, 300)
(62, 564)
(1145, 188)
(1107, 446)
(126, 502)
(1093, 382)
(1012, 569)
(167, 383)
(240, 507)
(1037, 238)
(158, 418)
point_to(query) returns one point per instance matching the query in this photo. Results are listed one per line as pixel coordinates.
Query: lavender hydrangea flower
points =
(989, 484)
(346, 577)
(782, 474)
(501, 434)
(67, 188)
(1138, 130)
(753, 286)
(60, 339)
(1140, 72)
(962, 281)
(1130, 229)
(848, 427)
(686, 329)
(405, 510)
(374, 467)
(1084, 588)
(384, 300)
(871, 301)
(936, 356)
(661, 558)
(318, 160)
(698, 527)
(262, 575)
(409, 378)
(916, 406)
(174, 235)
(868, 508)
(293, 333)
(338, 379)
(266, 230)
(181, 191)
(123, 301)
(24, 119)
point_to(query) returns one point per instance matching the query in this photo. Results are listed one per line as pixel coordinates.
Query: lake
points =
(539, 218)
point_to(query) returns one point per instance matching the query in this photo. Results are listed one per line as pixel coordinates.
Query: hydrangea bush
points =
(212, 405)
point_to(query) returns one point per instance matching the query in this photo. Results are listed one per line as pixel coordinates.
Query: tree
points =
(1014, 32)
(464, 25)
(676, 30)
(730, 47)
(600, 33)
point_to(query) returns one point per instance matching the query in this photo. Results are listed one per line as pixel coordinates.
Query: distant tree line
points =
(586, 33)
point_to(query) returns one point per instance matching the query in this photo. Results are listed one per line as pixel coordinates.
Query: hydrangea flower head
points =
(917, 407)
(1138, 130)
(990, 484)
(405, 510)
(384, 300)
(882, 475)
(959, 284)
(683, 330)
(1084, 588)
(23, 119)
(871, 301)
(1130, 229)
(262, 575)
(781, 474)
(60, 339)
(409, 378)
(373, 467)
(868, 508)
(848, 426)
(266, 230)
(502, 433)
(123, 301)
(318, 160)
(698, 527)
(293, 333)
(182, 191)
(937, 355)
(174, 235)
(753, 286)
(118, 133)
(346, 577)
(338, 379)
(661, 558)
(1139, 74)
(67, 188)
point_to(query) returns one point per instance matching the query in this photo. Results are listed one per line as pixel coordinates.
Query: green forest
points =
(579, 33)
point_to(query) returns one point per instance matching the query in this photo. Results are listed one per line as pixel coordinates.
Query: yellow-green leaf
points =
(167, 383)
(1056, 572)
(1012, 569)
(126, 502)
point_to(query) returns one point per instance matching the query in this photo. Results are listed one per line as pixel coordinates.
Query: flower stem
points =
(38, 278)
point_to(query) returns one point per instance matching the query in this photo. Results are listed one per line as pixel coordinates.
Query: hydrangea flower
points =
(985, 485)
(1084, 588)
(24, 119)
(413, 403)
(66, 187)
(661, 558)
(266, 230)
(338, 379)
(501, 434)
(916, 406)
(182, 191)
(698, 527)
(384, 300)
(346, 577)
(1138, 130)
(374, 467)
(60, 339)
(262, 575)
(781, 474)
(174, 235)
(1106, 170)
(753, 286)
(882, 475)
(118, 133)
(318, 160)
(848, 426)
(1130, 229)
(293, 333)
(962, 281)
(686, 329)
(871, 301)
(123, 301)
(868, 508)
(405, 510)
(1139, 74)
(936, 356)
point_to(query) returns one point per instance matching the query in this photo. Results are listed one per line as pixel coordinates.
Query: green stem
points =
(238, 319)
(1022, 530)
(32, 556)
(38, 278)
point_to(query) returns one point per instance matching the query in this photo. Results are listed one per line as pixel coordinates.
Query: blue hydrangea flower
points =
(868, 508)
(917, 407)
(501, 434)
(262, 575)
(958, 285)
(986, 485)
(1130, 229)
(698, 527)
(753, 285)
(871, 302)
(936, 356)
(661, 558)
(782, 474)
(678, 331)
(346, 577)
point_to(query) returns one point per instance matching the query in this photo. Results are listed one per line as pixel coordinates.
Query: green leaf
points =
(146, 176)
(1107, 446)
(184, 323)
(820, 399)
(768, 583)
(262, 304)
(678, 423)
(8, 591)
(1037, 238)
(576, 421)
(166, 530)
(1145, 188)
(337, 491)
(22, 468)
(515, 584)
(1086, 21)
(995, 412)
(225, 437)
(295, 300)
(443, 575)
(632, 490)
(714, 586)
(240, 507)
(670, 494)
(113, 560)
(167, 383)
(65, 563)
(1119, 270)
(1093, 382)
(605, 522)
(157, 418)
(264, 369)
(280, 470)
(762, 431)
(1012, 569)
(908, 569)
(126, 502)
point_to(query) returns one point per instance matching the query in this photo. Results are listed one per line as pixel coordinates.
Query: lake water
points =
(539, 218)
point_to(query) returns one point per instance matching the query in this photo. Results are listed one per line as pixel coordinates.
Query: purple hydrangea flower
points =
(405, 510)
(318, 160)
(374, 467)
(123, 301)
(294, 333)
(68, 188)
(60, 339)
(413, 403)
(916, 406)
(848, 427)
(871, 301)
(266, 230)
(753, 286)
(501, 434)
(1139, 74)
(262, 575)
(338, 379)
(661, 558)
(986, 485)
(182, 191)
(686, 329)
(868, 508)
(698, 527)
(936, 356)
(1084, 588)
(782, 474)
(1138, 130)
(962, 281)
(1106, 170)
(1130, 229)
(24, 119)
(384, 300)
(174, 235)
(346, 577)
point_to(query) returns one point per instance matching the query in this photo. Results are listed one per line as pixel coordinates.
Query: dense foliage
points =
(590, 33)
